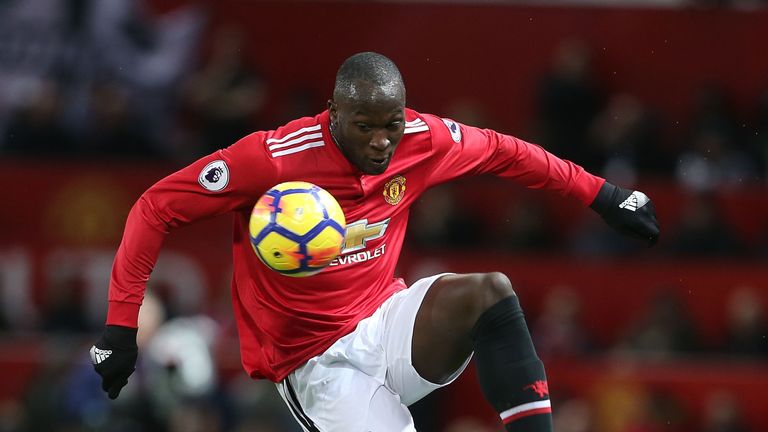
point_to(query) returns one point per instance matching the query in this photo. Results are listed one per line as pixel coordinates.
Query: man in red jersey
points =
(351, 347)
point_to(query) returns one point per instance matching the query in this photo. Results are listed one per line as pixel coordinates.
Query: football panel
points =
(261, 215)
(332, 207)
(300, 212)
(324, 247)
(279, 252)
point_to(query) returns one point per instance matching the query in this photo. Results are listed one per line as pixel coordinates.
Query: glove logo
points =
(634, 201)
(99, 355)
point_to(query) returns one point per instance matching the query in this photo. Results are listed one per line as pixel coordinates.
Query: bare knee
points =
(486, 289)
(451, 308)
(494, 287)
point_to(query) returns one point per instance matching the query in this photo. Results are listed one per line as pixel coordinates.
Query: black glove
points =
(114, 358)
(628, 212)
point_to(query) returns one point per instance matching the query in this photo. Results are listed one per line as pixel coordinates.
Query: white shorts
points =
(365, 381)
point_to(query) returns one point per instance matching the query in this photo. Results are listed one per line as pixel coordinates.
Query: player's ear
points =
(333, 112)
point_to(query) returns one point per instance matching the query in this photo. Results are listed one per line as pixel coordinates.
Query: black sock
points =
(511, 375)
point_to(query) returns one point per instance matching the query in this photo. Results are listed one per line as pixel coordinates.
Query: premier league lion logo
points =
(215, 176)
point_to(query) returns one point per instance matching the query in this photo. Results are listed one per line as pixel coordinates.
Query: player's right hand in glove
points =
(114, 358)
(628, 212)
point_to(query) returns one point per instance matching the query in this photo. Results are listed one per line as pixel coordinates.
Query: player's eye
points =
(363, 127)
(394, 126)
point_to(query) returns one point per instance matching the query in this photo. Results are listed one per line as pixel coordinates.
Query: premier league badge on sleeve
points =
(215, 176)
(454, 129)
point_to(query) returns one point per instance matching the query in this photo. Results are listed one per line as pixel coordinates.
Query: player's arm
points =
(464, 150)
(224, 181)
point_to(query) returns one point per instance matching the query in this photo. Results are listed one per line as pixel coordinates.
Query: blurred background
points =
(101, 98)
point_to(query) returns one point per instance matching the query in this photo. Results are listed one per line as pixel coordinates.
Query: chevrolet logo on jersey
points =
(359, 232)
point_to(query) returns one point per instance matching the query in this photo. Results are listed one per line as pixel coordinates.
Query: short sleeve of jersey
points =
(459, 150)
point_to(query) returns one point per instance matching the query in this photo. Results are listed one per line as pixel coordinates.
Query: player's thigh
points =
(442, 332)
(403, 377)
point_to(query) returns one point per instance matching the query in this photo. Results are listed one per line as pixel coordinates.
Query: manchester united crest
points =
(394, 190)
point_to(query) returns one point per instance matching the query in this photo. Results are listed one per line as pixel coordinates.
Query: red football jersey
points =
(284, 321)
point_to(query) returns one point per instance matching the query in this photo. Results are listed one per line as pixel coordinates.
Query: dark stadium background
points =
(100, 99)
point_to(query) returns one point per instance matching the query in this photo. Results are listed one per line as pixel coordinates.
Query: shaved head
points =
(367, 112)
(365, 76)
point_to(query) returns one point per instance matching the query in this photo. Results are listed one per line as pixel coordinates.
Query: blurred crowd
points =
(718, 151)
(111, 80)
(90, 79)
(181, 384)
(101, 80)
(617, 135)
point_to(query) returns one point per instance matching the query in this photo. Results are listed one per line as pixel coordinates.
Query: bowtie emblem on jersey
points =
(394, 190)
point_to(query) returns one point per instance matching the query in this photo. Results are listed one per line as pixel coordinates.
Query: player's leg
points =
(481, 313)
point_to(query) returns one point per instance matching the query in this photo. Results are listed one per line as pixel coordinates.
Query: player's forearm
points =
(536, 168)
(133, 264)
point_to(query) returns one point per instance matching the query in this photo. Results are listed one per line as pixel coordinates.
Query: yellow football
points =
(297, 228)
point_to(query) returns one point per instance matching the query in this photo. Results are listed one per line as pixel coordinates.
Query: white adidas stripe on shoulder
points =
(296, 141)
(414, 126)
(415, 122)
(298, 149)
(294, 133)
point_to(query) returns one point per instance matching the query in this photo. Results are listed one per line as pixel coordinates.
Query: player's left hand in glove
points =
(114, 358)
(628, 212)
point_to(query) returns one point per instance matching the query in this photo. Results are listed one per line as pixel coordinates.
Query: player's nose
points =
(380, 141)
